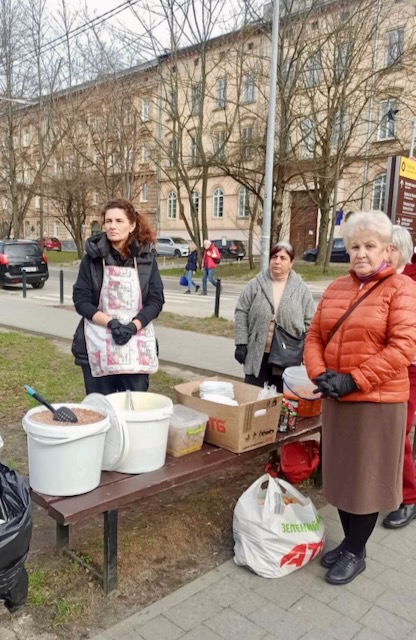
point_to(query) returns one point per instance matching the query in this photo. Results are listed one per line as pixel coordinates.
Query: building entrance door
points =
(303, 222)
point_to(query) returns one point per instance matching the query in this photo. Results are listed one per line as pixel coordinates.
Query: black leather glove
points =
(338, 386)
(323, 382)
(114, 326)
(240, 353)
(124, 333)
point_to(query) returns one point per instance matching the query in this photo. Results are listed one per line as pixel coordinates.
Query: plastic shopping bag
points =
(276, 529)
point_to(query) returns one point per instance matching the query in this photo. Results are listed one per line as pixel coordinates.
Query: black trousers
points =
(267, 374)
(114, 383)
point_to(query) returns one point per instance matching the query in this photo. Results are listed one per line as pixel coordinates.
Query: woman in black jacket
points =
(118, 293)
(190, 268)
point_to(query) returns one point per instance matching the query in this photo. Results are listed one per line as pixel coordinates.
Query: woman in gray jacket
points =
(277, 295)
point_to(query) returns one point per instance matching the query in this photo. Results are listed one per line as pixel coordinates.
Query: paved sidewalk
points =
(231, 603)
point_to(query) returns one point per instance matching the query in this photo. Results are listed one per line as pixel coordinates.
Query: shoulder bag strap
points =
(351, 309)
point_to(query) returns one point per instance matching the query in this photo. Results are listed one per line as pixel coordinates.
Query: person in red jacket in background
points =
(401, 255)
(210, 259)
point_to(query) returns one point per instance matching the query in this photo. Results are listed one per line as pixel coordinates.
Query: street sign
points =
(401, 193)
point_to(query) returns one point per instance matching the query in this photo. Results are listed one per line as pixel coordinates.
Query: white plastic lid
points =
(116, 437)
(184, 417)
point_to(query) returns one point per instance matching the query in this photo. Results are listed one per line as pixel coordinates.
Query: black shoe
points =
(331, 557)
(187, 291)
(348, 567)
(401, 517)
(197, 287)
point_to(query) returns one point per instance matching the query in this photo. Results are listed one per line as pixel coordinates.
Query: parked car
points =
(50, 244)
(18, 256)
(230, 249)
(172, 246)
(338, 253)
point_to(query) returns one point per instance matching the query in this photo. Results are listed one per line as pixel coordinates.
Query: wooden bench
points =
(118, 490)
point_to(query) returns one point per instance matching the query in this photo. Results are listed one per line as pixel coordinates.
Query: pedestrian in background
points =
(358, 355)
(118, 292)
(279, 295)
(211, 257)
(191, 267)
(401, 255)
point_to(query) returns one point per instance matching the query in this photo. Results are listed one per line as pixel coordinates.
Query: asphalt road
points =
(176, 301)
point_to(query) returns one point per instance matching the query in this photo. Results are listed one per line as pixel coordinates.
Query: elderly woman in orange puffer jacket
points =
(361, 371)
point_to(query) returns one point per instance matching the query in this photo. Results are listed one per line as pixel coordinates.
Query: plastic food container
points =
(297, 386)
(186, 430)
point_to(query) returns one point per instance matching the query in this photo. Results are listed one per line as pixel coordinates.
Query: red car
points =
(50, 244)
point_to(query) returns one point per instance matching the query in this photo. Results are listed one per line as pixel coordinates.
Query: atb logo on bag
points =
(302, 553)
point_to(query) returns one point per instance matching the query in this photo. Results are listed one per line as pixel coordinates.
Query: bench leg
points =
(110, 551)
(62, 536)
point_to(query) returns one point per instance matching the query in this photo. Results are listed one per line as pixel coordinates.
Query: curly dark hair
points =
(143, 231)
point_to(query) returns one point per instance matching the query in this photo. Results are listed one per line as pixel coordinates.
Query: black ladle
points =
(63, 414)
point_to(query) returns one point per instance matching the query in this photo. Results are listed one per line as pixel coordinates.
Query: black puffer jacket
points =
(86, 291)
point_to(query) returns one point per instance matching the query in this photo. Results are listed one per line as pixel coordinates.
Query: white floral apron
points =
(120, 298)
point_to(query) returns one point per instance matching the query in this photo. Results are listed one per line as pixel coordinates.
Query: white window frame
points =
(221, 93)
(27, 229)
(171, 205)
(196, 98)
(144, 195)
(308, 140)
(219, 143)
(243, 211)
(26, 138)
(248, 87)
(386, 129)
(145, 109)
(247, 142)
(57, 228)
(145, 152)
(378, 196)
(218, 203)
(37, 202)
(194, 151)
(172, 152)
(394, 47)
(313, 70)
(338, 129)
(195, 201)
(96, 198)
(343, 53)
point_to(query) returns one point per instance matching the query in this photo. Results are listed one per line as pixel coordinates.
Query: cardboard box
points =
(252, 424)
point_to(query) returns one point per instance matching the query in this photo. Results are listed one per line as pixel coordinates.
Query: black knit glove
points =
(322, 381)
(240, 353)
(124, 333)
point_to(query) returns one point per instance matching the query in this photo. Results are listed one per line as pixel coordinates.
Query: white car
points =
(172, 246)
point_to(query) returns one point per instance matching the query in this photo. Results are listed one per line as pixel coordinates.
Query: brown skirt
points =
(362, 455)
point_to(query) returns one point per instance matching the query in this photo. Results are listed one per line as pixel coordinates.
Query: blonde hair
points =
(374, 221)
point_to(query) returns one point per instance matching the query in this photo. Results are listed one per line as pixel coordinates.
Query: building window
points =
(37, 202)
(219, 144)
(342, 60)
(248, 87)
(379, 193)
(387, 127)
(338, 129)
(144, 196)
(96, 198)
(172, 153)
(172, 99)
(196, 98)
(288, 72)
(218, 203)
(247, 143)
(145, 152)
(313, 70)
(308, 138)
(194, 151)
(243, 203)
(221, 93)
(194, 207)
(27, 229)
(57, 226)
(172, 205)
(25, 138)
(394, 46)
(145, 109)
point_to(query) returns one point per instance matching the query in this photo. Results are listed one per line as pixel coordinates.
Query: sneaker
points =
(197, 288)
(187, 291)
(203, 293)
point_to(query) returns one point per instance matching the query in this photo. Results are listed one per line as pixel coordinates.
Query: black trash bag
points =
(15, 533)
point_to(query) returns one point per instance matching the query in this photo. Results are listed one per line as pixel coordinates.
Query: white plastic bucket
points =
(297, 386)
(147, 427)
(64, 461)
